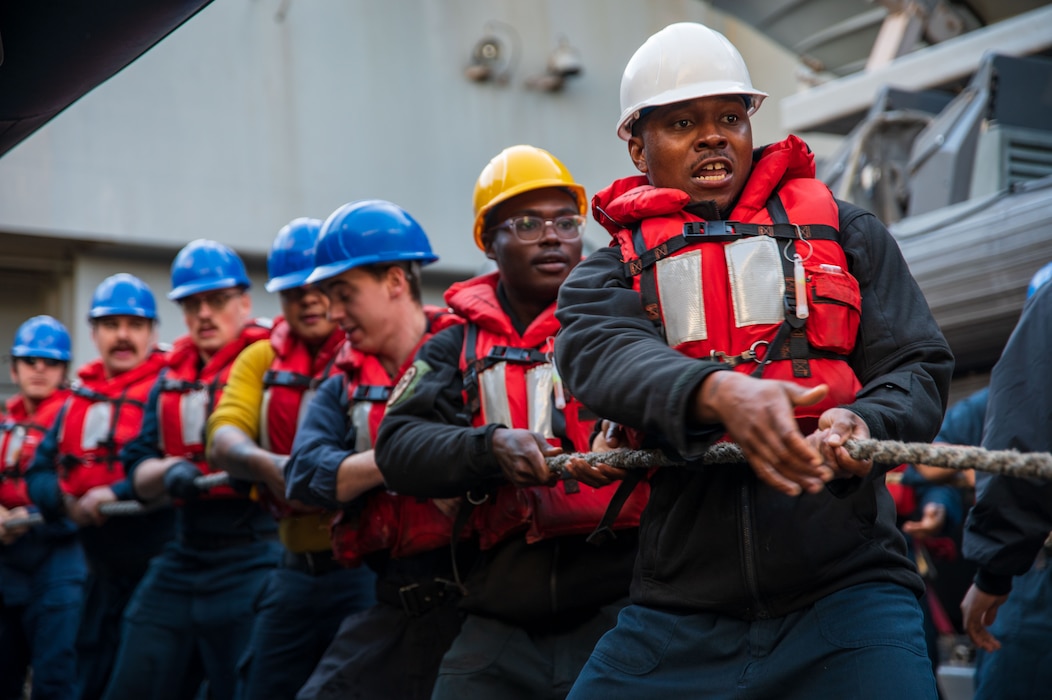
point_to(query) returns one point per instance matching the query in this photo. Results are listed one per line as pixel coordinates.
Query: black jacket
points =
(1012, 517)
(718, 539)
(428, 447)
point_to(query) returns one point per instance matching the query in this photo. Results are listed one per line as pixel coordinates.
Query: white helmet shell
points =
(681, 62)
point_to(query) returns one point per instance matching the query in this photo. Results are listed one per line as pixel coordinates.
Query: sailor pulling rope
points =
(1037, 465)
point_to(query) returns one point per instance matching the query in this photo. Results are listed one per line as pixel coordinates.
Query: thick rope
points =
(204, 482)
(122, 508)
(28, 521)
(1037, 465)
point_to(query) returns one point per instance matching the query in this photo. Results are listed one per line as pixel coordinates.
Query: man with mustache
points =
(78, 468)
(477, 419)
(195, 603)
(250, 434)
(741, 301)
(42, 568)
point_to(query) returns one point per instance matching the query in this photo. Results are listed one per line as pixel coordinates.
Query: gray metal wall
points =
(245, 118)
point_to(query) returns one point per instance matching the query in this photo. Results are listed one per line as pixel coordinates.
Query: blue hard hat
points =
(203, 266)
(291, 257)
(368, 232)
(42, 336)
(1040, 277)
(123, 295)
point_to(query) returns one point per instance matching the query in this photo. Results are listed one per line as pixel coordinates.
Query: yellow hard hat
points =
(516, 170)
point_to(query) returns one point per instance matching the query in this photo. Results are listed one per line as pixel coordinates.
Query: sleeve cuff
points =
(696, 437)
(872, 421)
(123, 490)
(482, 458)
(993, 584)
(48, 497)
(841, 488)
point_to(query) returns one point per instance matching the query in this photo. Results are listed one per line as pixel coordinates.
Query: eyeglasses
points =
(529, 229)
(32, 361)
(215, 301)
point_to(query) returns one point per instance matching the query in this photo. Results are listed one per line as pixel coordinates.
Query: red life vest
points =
(730, 286)
(20, 434)
(290, 383)
(904, 495)
(102, 415)
(387, 521)
(188, 393)
(509, 379)
(288, 388)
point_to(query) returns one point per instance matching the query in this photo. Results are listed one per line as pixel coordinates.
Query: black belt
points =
(417, 598)
(313, 563)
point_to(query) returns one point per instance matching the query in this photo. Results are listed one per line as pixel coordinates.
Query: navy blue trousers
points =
(1022, 668)
(42, 591)
(865, 643)
(297, 616)
(383, 653)
(191, 603)
(494, 660)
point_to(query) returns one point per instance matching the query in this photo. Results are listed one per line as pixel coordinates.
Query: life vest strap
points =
(372, 393)
(180, 385)
(722, 232)
(497, 354)
(284, 377)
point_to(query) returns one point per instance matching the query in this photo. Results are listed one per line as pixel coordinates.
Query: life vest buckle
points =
(372, 393)
(750, 355)
(504, 353)
(694, 231)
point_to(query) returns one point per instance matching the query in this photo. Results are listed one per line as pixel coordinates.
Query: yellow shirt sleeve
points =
(242, 400)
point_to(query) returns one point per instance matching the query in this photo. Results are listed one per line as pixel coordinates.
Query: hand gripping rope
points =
(1037, 465)
(119, 508)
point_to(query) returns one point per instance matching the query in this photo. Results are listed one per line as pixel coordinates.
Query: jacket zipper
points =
(749, 550)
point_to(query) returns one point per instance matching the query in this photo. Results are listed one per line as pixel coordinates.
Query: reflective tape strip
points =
(493, 390)
(264, 421)
(539, 399)
(754, 266)
(682, 304)
(193, 410)
(97, 420)
(363, 439)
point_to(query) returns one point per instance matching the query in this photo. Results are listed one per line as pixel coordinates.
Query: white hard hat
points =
(681, 62)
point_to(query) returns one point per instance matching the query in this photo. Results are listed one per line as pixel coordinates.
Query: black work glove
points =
(179, 480)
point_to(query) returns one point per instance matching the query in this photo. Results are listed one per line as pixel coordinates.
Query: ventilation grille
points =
(1028, 155)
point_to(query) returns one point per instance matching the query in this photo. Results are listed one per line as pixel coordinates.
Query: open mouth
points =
(713, 172)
